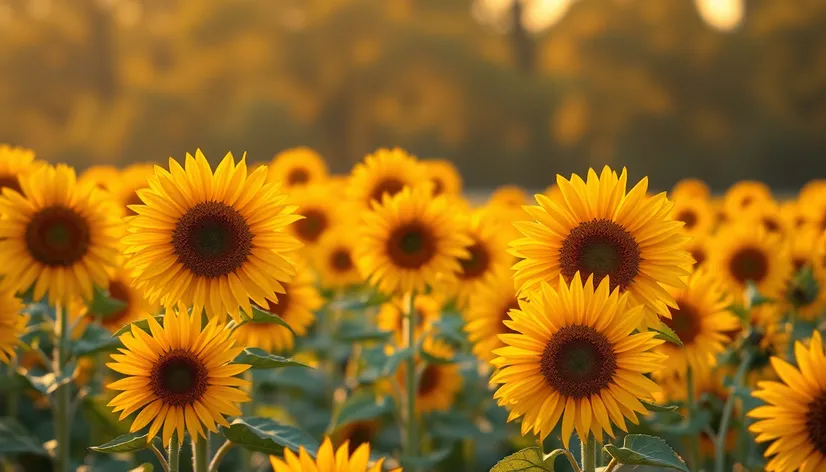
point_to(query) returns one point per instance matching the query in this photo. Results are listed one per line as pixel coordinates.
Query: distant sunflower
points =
(813, 210)
(552, 191)
(211, 241)
(410, 241)
(180, 376)
(385, 172)
(334, 259)
(697, 215)
(794, 418)
(391, 316)
(356, 433)
(296, 306)
(438, 384)
(598, 229)
(812, 189)
(137, 306)
(809, 302)
(486, 315)
(767, 214)
(125, 185)
(509, 195)
(743, 195)
(576, 358)
(741, 252)
(689, 189)
(698, 248)
(328, 460)
(505, 217)
(12, 325)
(58, 237)
(320, 212)
(488, 256)
(15, 161)
(444, 175)
(297, 167)
(701, 323)
(99, 176)
(793, 216)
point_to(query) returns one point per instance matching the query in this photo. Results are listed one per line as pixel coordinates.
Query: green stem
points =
(728, 408)
(612, 465)
(62, 396)
(790, 346)
(13, 398)
(541, 445)
(412, 448)
(589, 454)
(219, 456)
(174, 453)
(200, 454)
(248, 409)
(694, 440)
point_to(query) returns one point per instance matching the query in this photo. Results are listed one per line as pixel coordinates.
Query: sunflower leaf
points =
(141, 324)
(361, 407)
(260, 359)
(267, 436)
(48, 382)
(103, 304)
(641, 449)
(14, 439)
(394, 360)
(124, 443)
(427, 461)
(95, 339)
(660, 408)
(668, 334)
(261, 316)
(527, 460)
(352, 332)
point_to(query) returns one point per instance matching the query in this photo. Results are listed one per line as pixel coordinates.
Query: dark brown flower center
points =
(685, 322)
(298, 176)
(771, 225)
(10, 181)
(212, 239)
(578, 361)
(816, 423)
(689, 217)
(600, 247)
(389, 186)
(359, 433)
(411, 245)
(477, 264)
(798, 263)
(119, 291)
(699, 255)
(749, 263)
(341, 261)
(57, 236)
(438, 186)
(429, 381)
(179, 378)
(503, 328)
(313, 224)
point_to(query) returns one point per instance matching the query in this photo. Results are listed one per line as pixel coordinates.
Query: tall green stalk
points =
(589, 454)
(62, 396)
(412, 436)
(694, 440)
(174, 453)
(200, 454)
(728, 409)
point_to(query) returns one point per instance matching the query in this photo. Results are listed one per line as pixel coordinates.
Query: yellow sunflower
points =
(509, 195)
(767, 214)
(598, 229)
(211, 241)
(444, 175)
(410, 241)
(99, 176)
(793, 216)
(385, 172)
(137, 306)
(125, 185)
(391, 316)
(743, 195)
(690, 188)
(438, 384)
(697, 214)
(355, 434)
(505, 216)
(576, 358)
(486, 313)
(552, 191)
(808, 301)
(812, 189)
(320, 211)
(794, 419)
(296, 306)
(12, 325)
(741, 252)
(698, 248)
(334, 260)
(296, 167)
(180, 376)
(58, 237)
(328, 460)
(15, 161)
(701, 323)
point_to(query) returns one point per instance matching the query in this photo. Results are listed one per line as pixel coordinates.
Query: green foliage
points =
(261, 316)
(95, 339)
(260, 359)
(351, 331)
(528, 460)
(130, 442)
(268, 436)
(140, 324)
(640, 449)
(361, 406)
(14, 439)
(666, 333)
(102, 304)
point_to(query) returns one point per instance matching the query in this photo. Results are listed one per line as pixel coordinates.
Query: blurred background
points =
(512, 91)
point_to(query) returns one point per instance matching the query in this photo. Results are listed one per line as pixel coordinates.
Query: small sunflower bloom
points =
(12, 325)
(328, 459)
(297, 167)
(385, 172)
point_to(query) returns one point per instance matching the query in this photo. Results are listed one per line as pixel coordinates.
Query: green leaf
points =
(261, 316)
(740, 311)
(660, 408)
(49, 382)
(97, 413)
(95, 339)
(141, 324)
(267, 436)
(14, 382)
(260, 359)
(428, 461)
(664, 332)
(453, 425)
(103, 304)
(527, 460)
(431, 359)
(694, 426)
(125, 443)
(14, 439)
(352, 332)
(641, 449)
(360, 301)
(394, 360)
(360, 407)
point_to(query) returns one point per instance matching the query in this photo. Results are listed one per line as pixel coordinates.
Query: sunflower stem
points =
(200, 454)
(694, 440)
(791, 324)
(412, 447)
(589, 454)
(62, 398)
(174, 453)
(728, 408)
(219, 456)
(12, 398)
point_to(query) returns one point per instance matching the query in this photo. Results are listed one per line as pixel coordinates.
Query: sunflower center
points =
(57, 236)
(699, 255)
(688, 217)
(388, 185)
(503, 328)
(771, 225)
(429, 380)
(411, 246)
(119, 291)
(341, 261)
(312, 225)
(298, 176)
(438, 186)
(478, 262)
(578, 361)
(798, 263)
(359, 434)
(749, 264)
(600, 248)
(10, 181)
(179, 378)
(685, 321)
(212, 239)
(816, 423)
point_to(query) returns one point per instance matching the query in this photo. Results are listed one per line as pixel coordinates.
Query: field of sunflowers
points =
(255, 317)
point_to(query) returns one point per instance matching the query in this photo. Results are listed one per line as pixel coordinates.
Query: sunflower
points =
(743, 195)
(741, 252)
(296, 306)
(701, 323)
(766, 334)
(794, 418)
(808, 301)
(552, 191)
(437, 384)
(356, 433)
(690, 188)
(180, 376)
(15, 161)
(58, 237)
(698, 248)
(385, 172)
(444, 175)
(125, 185)
(296, 167)
(599, 229)
(334, 260)
(767, 214)
(813, 210)
(812, 189)
(505, 216)
(99, 176)
(697, 215)
(12, 325)
(391, 316)
(211, 241)
(509, 195)
(575, 352)
(137, 306)
(793, 216)
(328, 460)
(486, 313)
(410, 241)
(319, 210)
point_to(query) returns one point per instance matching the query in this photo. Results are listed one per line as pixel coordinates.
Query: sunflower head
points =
(444, 176)
(320, 211)
(334, 258)
(328, 460)
(689, 189)
(136, 307)
(15, 161)
(385, 172)
(806, 289)
(99, 176)
(487, 312)
(12, 325)
(743, 195)
(356, 433)
(392, 314)
(509, 195)
(297, 167)
(59, 237)
(124, 186)
(214, 240)
(575, 357)
(438, 384)
(697, 214)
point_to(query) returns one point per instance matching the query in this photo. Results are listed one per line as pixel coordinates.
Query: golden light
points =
(724, 15)
(537, 15)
